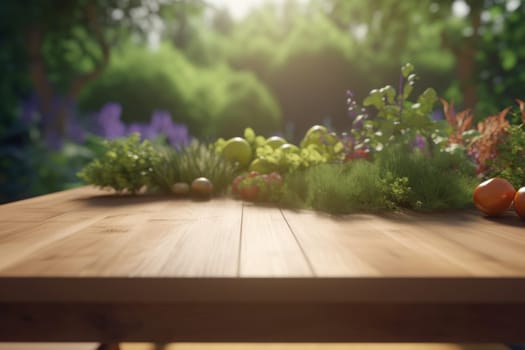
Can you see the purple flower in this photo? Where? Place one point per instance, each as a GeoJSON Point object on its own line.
{"type": "Point", "coordinates": [75, 131]}
{"type": "Point", "coordinates": [30, 112]}
{"type": "Point", "coordinates": [178, 135]}
{"type": "Point", "coordinates": [161, 120]}
{"type": "Point", "coordinates": [419, 142]}
{"type": "Point", "coordinates": [437, 115]}
{"type": "Point", "coordinates": [109, 121]}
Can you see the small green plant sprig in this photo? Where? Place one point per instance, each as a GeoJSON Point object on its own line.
{"type": "Point", "coordinates": [126, 165]}
{"type": "Point", "coordinates": [397, 120]}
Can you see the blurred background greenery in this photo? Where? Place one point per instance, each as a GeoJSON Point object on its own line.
{"type": "Point", "coordinates": [75, 71]}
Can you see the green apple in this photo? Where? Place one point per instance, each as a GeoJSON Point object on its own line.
{"type": "Point", "coordinates": [275, 142]}
{"type": "Point", "coordinates": [238, 150]}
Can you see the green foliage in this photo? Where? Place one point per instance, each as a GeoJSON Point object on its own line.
{"type": "Point", "coordinates": [397, 120]}
{"type": "Point", "coordinates": [214, 101]}
{"type": "Point", "coordinates": [193, 161]}
{"type": "Point", "coordinates": [232, 100]}
{"type": "Point", "coordinates": [29, 168]}
{"type": "Point", "coordinates": [500, 58]}
{"type": "Point", "coordinates": [126, 165]}
{"type": "Point", "coordinates": [309, 54]}
{"type": "Point", "coordinates": [510, 161]}
{"type": "Point", "coordinates": [394, 180]}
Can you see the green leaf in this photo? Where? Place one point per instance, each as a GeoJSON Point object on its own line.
{"type": "Point", "coordinates": [390, 93]}
{"type": "Point", "coordinates": [374, 98]}
{"type": "Point", "coordinates": [407, 90]}
{"type": "Point", "coordinates": [407, 69]}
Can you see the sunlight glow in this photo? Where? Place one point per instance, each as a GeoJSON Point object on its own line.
{"type": "Point", "coordinates": [239, 8]}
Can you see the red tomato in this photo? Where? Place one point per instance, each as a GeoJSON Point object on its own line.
{"type": "Point", "coordinates": [235, 184]}
{"type": "Point", "coordinates": [519, 202]}
{"type": "Point", "coordinates": [494, 196]}
{"type": "Point", "coordinates": [249, 192]}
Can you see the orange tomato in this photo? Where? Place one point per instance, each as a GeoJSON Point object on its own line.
{"type": "Point", "coordinates": [519, 202]}
{"type": "Point", "coordinates": [494, 196]}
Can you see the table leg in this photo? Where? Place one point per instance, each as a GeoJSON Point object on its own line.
{"type": "Point", "coordinates": [112, 346]}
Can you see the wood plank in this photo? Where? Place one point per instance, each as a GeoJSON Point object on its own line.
{"type": "Point", "coordinates": [201, 240]}
{"type": "Point", "coordinates": [208, 244]}
{"type": "Point", "coordinates": [72, 254]}
{"type": "Point", "coordinates": [21, 245]}
{"type": "Point", "coordinates": [268, 247]}
{"type": "Point", "coordinates": [468, 241]}
{"type": "Point", "coordinates": [357, 245]}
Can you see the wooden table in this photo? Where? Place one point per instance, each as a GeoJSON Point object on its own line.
{"type": "Point", "coordinates": [84, 265]}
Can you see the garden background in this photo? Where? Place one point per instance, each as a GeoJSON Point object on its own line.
{"type": "Point", "coordinates": [78, 70]}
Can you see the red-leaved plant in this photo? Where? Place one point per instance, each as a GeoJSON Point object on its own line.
{"type": "Point", "coordinates": [482, 145]}
{"type": "Point", "coordinates": [521, 104]}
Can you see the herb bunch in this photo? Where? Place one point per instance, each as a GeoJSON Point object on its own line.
{"type": "Point", "coordinates": [126, 165]}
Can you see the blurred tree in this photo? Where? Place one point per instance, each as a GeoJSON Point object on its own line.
{"type": "Point", "coordinates": [67, 43]}
{"type": "Point", "coordinates": [501, 57]}
{"type": "Point", "coordinates": [460, 35]}
{"type": "Point", "coordinates": [310, 54]}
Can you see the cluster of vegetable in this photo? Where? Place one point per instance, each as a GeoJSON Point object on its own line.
{"type": "Point", "coordinates": [395, 156]}
{"type": "Point", "coordinates": [265, 155]}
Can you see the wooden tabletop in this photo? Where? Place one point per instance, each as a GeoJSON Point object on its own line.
{"type": "Point", "coordinates": [87, 265]}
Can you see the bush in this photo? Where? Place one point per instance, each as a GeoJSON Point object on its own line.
{"type": "Point", "coordinates": [208, 100]}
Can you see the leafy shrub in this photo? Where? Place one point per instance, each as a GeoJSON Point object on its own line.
{"type": "Point", "coordinates": [208, 100]}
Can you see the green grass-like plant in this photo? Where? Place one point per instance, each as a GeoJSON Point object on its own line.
{"type": "Point", "coordinates": [393, 180]}
{"type": "Point", "coordinates": [195, 160]}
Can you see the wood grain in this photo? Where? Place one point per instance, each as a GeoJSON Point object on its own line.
{"type": "Point", "coordinates": [268, 247]}
{"type": "Point", "coordinates": [416, 245]}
